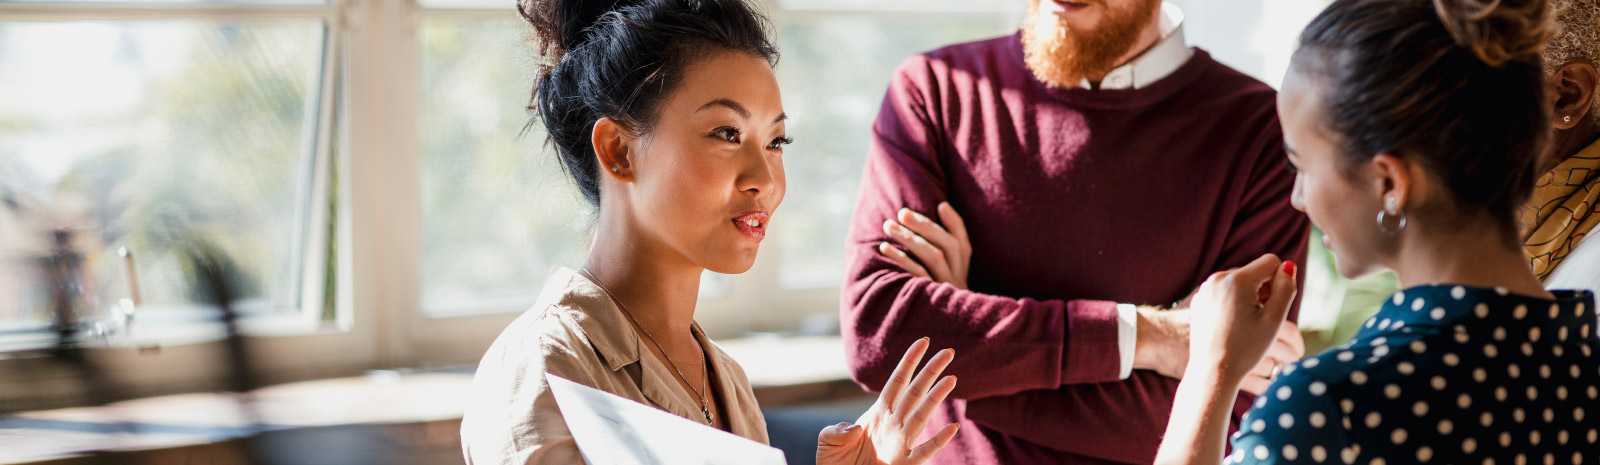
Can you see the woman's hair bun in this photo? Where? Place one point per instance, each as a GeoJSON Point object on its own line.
{"type": "Point", "coordinates": [561, 25]}
{"type": "Point", "coordinates": [1498, 31]}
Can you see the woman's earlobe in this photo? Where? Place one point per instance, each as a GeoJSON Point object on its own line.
{"type": "Point", "coordinates": [1573, 87]}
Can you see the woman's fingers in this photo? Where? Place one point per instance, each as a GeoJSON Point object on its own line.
{"type": "Point", "coordinates": [1255, 384]}
{"type": "Point", "coordinates": [925, 451]}
{"type": "Point", "coordinates": [1255, 274]}
{"type": "Point", "coordinates": [902, 373]}
{"type": "Point", "coordinates": [923, 381]}
{"type": "Point", "coordinates": [1283, 291]}
{"type": "Point", "coordinates": [905, 261]}
{"type": "Point", "coordinates": [1289, 333]}
{"type": "Point", "coordinates": [919, 415]}
{"type": "Point", "coordinates": [840, 434]}
{"type": "Point", "coordinates": [931, 256]}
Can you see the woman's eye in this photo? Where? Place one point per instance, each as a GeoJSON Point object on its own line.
{"type": "Point", "coordinates": [780, 142]}
{"type": "Point", "coordinates": [727, 133]}
{"type": "Point", "coordinates": [1290, 166]}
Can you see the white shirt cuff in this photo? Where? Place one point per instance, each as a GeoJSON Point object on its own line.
{"type": "Point", "coordinates": [1127, 338]}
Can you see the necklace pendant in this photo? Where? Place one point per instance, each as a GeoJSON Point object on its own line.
{"type": "Point", "coordinates": [707, 413]}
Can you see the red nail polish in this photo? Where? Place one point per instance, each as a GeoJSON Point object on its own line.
{"type": "Point", "coordinates": [1288, 267]}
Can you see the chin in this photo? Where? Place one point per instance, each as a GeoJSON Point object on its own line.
{"type": "Point", "coordinates": [736, 263]}
{"type": "Point", "coordinates": [1349, 269]}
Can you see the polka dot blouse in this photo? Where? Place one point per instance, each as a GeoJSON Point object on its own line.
{"type": "Point", "coordinates": [1442, 374]}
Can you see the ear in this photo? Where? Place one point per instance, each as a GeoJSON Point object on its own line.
{"type": "Point", "coordinates": [1394, 180]}
{"type": "Point", "coordinates": [1572, 89]}
{"type": "Point", "coordinates": [611, 149]}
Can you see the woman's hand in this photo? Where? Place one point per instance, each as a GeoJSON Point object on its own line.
{"type": "Point", "coordinates": [942, 253]}
{"type": "Point", "coordinates": [885, 433]}
{"type": "Point", "coordinates": [1238, 315]}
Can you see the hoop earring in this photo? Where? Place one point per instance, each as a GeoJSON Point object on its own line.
{"type": "Point", "coordinates": [1383, 223]}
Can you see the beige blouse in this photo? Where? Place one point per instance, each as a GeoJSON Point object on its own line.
{"type": "Point", "coordinates": [577, 332]}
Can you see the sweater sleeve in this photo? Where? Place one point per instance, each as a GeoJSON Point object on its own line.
{"type": "Point", "coordinates": [1004, 345]}
{"type": "Point", "coordinates": [1266, 222]}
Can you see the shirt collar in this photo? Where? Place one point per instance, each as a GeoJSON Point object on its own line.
{"type": "Point", "coordinates": [602, 321]}
{"type": "Point", "coordinates": [1160, 61]}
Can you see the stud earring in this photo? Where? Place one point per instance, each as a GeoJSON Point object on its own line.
{"type": "Point", "coordinates": [613, 169]}
{"type": "Point", "coordinates": [1566, 119]}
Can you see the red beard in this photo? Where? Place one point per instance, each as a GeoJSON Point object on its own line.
{"type": "Point", "coordinates": [1061, 57]}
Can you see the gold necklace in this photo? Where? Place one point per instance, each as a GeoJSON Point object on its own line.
{"type": "Point", "coordinates": [705, 405]}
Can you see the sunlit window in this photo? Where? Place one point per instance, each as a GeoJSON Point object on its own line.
{"type": "Point", "coordinates": [143, 134]}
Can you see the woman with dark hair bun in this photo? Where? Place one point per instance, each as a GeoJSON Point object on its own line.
{"type": "Point", "coordinates": [667, 116]}
{"type": "Point", "coordinates": [1416, 128]}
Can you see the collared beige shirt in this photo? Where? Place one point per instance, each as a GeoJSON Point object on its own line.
{"type": "Point", "coordinates": [577, 332]}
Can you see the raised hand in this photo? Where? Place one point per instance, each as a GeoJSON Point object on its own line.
{"type": "Point", "coordinates": [1238, 316]}
{"type": "Point", "coordinates": [885, 433]}
{"type": "Point", "coordinates": [940, 253]}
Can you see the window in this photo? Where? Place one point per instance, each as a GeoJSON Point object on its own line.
{"type": "Point", "coordinates": [498, 212]}
{"type": "Point", "coordinates": [139, 135]}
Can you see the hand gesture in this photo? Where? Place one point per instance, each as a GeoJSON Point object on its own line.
{"type": "Point", "coordinates": [884, 434]}
{"type": "Point", "coordinates": [1238, 315]}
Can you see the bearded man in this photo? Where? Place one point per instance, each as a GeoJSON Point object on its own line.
{"type": "Point", "coordinates": [1104, 169]}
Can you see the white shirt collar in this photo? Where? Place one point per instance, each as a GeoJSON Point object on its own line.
{"type": "Point", "coordinates": [1160, 61]}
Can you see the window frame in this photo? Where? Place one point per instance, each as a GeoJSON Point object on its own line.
{"type": "Point", "coordinates": [364, 131]}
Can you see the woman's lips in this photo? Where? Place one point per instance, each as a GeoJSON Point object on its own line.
{"type": "Point", "coordinates": [753, 224]}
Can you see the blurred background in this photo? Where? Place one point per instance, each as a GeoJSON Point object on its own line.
{"type": "Point", "coordinates": [368, 171]}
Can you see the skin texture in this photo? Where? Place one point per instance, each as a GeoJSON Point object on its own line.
{"type": "Point", "coordinates": [1440, 244]}
{"type": "Point", "coordinates": [676, 201]}
{"type": "Point", "coordinates": [1572, 92]}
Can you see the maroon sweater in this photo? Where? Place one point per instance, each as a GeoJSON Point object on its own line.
{"type": "Point", "coordinates": [1075, 200]}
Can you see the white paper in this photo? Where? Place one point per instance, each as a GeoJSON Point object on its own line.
{"type": "Point", "coordinates": [611, 430]}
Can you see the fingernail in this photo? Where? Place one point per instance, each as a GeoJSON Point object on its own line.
{"type": "Point", "coordinates": [852, 427]}
{"type": "Point", "coordinates": [843, 424]}
{"type": "Point", "coordinates": [1288, 267]}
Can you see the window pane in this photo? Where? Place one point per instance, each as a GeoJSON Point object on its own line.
{"type": "Point", "coordinates": [833, 73]}
{"type": "Point", "coordinates": [484, 4]}
{"type": "Point", "coordinates": [135, 133]}
{"type": "Point", "coordinates": [497, 211]}
{"type": "Point", "coordinates": [177, 2]}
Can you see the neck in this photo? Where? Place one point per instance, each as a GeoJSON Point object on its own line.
{"type": "Point", "coordinates": [1568, 142]}
{"type": "Point", "coordinates": [657, 286]}
{"type": "Point", "coordinates": [1148, 38]}
{"type": "Point", "coordinates": [1476, 255]}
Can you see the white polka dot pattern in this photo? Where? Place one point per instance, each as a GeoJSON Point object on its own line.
{"type": "Point", "coordinates": [1442, 374]}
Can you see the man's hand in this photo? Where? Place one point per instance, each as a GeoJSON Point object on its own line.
{"type": "Point", "coordinates": [940, 253]}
